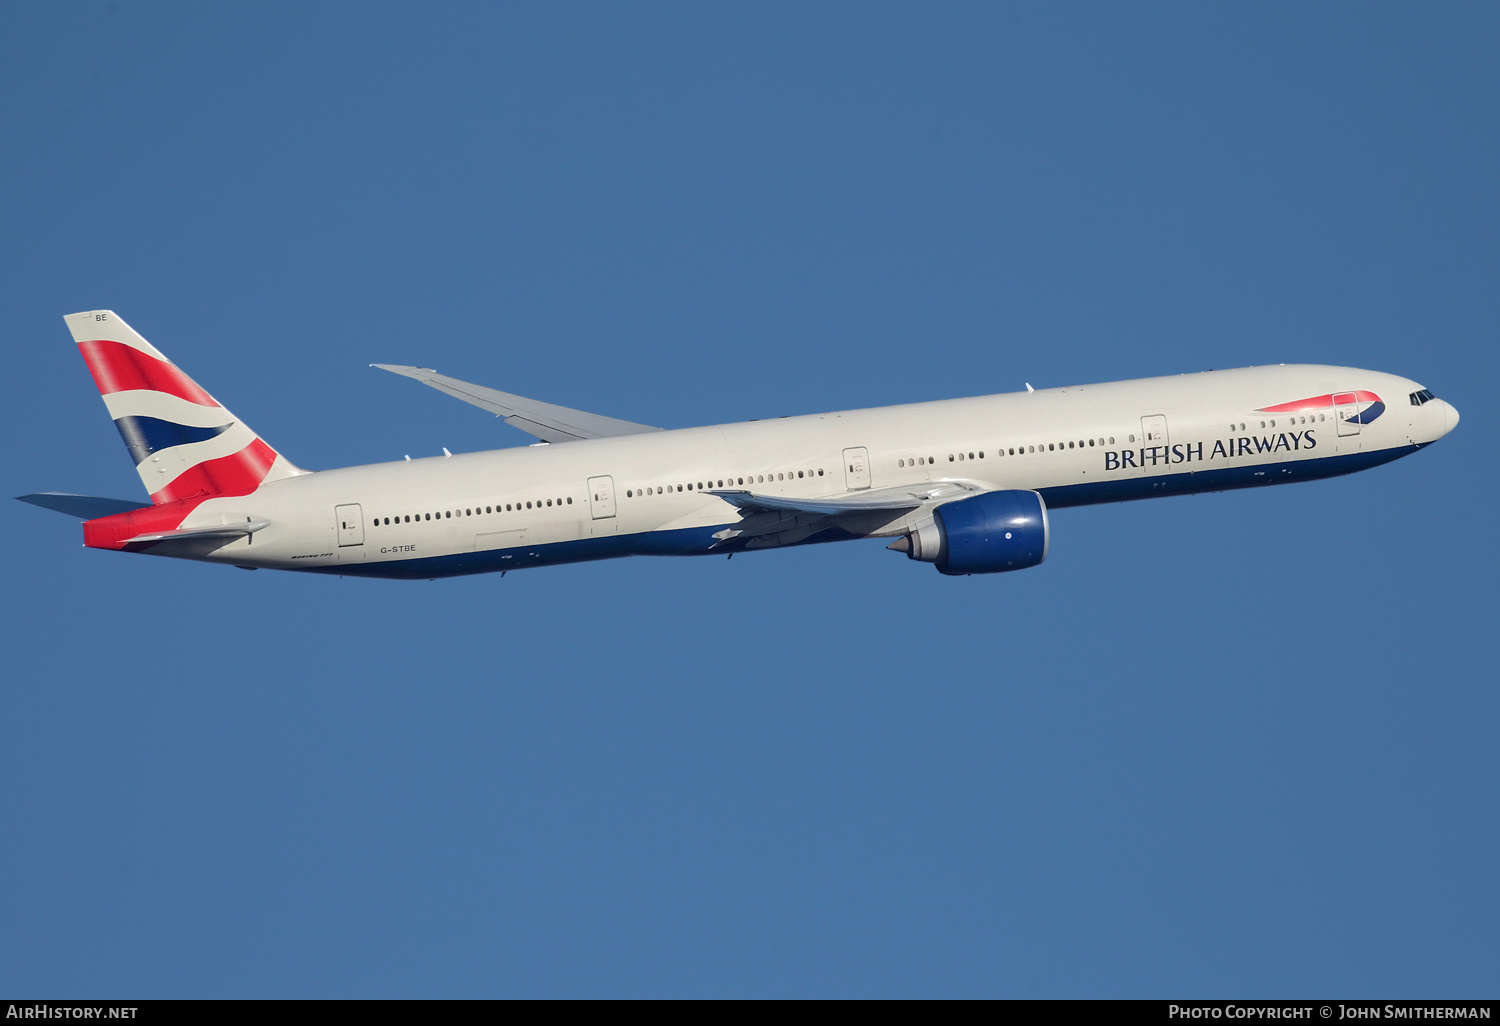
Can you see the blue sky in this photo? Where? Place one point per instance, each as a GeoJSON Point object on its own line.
{"type": "Point", "coordinates": [1229, 745]}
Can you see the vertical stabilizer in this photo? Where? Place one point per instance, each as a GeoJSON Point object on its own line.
{"type": "Point", "coordinates": [183, 442]}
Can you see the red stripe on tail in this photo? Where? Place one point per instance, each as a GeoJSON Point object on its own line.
{"type": "Point", "coordinates": [113, 532]}
{"type": "Point", "coordinates": [236, 474]}
{"type": "Point", "coordinates": [117, 367]}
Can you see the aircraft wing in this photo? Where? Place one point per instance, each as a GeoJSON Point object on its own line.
{"type": "Point", "coordinates": [544, 420]}
{"type": "Point", "coordinates": [771, 520]}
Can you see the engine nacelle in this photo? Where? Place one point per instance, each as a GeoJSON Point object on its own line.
{"type": "Point", "coordinates": [988, 534]}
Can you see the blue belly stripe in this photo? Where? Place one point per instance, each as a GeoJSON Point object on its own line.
{"type": "Point", "coordinates": [1221, 479]}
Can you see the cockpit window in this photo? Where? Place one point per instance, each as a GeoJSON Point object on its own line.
{"type": "Point", "coordinates": [1424, 396]}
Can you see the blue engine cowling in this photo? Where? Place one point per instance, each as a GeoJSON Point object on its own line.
{"type": "Point", "coordinates": [988, 534]}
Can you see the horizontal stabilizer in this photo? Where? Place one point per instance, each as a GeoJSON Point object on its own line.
{"type": "Point", "coordinates": [84, 507]}
{"type": "Point", "coordinates": [546, 421]}
{"type": "Point", "coordinates": [193, 533]}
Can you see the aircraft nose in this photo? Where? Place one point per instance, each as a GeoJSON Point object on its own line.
{"type": "Point", "coordinates": [1450, 417]}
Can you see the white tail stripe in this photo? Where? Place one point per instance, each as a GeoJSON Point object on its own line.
{"type": "Point", "coordinates": [165, 406]}
{"type": "Point", "coordinates": [94, 325]}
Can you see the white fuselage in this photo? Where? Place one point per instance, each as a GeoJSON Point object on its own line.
{"type": "Point", "coordinates": [650, 493]}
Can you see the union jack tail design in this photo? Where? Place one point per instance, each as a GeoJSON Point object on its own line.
{"type": "Point", "coordinates": [185, 445]}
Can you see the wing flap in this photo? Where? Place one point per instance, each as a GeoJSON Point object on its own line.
{"type": "Point", "coordinates": [547, 421]}
{"type": "Point", "coordinates": [895, 500]}
{"type": "Point", "coordinates": [770, 520]}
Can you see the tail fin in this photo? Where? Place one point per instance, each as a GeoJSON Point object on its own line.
{"type": "Point", "coordinates": [183, 442]}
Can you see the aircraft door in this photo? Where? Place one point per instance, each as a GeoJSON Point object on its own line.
{"type": "Point", "coordinates": [351, 524]}
{"type": "Point", "coordinates": [602, 497]}
{"type": "Point", "coordinates": [1154, 430]}
{"type": "Point", "coordinates": [1345, 409]}
{"type": "Point", "coordinates": [856, 468]}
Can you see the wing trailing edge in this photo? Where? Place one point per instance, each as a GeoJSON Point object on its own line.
{"type": "Point", "coordinates": [547, 421]}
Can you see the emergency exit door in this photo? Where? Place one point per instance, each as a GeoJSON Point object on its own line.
{"type": "Point", "coordinates": [602, 497]}
{"type": "Point", "coordinates": [1154, 430]}
{"type": "Point", "coordinates": [856, 468]}
{"type": "Point", "coordinates": [351, 524]}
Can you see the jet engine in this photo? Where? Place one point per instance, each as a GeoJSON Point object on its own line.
{"type": "Point", "coordinates": [986, 534]}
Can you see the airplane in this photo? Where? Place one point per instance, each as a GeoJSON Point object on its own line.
{"type": "Point", "coordinates": [963, 484]}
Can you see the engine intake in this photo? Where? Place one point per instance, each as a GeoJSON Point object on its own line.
{"type": "Point", "coordinates": [987, 534]}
